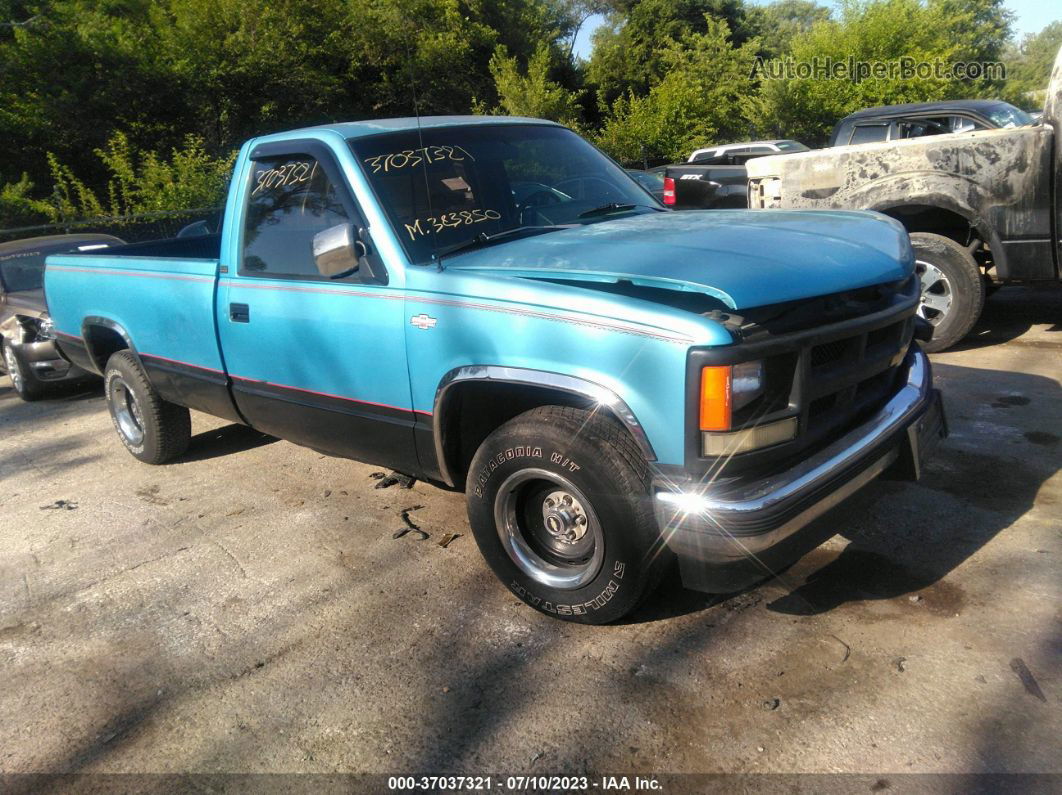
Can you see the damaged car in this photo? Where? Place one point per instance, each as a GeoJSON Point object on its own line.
{"type": "Point", "coordinates": [30, 357]}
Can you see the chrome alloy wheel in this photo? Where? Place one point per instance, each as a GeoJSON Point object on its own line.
{"type": "Point", "coordinates": [549, 529]}
{"type": "Point", "coordinates": [12, 368]}
{"type": "Point", "coordinates": [936, 292]}
{"type": "Point", "coordinates": [126, 412]}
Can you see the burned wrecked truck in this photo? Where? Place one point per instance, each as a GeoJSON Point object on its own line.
{"type": "Point", "coordinates": [982, 208]}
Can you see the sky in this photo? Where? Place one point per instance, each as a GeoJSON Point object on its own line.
{"type": "Point", "coordinates": [1032, 16]}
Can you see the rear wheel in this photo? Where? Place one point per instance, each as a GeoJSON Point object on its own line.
{"type": "Point", "coordinates": [953, 291]}
{"type": "Point", "coordinates": [152, 429]}
{"type": "Point", "coordinates": [558, 500]}
{"type": "Point", "coordinates": [25, 382]}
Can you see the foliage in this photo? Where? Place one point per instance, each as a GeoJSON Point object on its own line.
{"type": "Point", "coordinates": [92, 90]}
{"type": "Point", "coordinates": [776, 24]}
{"type": "Point", "coordinates": [532, 94]}
{"type": "Point", "coordinates": [1030, 66]}
{"type": "Point", "coordinates": [18, 207]}
{"type": "Point", "coordinates": [142, 182]}
{"type": "Point", "coordinates": [870, 31]}
{"type": "Point", "coordinates": [704, 96]}
{"type": "Point", "coordinates": [630, 51]}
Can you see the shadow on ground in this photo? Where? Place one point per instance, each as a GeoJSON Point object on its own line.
{"type": "Point", "coordinates": [1011, 311]}
{"type": "Point", "coordinates": [224, 441]}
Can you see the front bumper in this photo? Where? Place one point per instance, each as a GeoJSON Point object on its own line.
{"type": "Point", "coordinates": [47, 363]}
{"type": "Point", "coordinates": [729, 536]}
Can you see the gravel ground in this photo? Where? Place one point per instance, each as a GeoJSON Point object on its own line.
{"type": "Point", "coordinates": [248, 610]}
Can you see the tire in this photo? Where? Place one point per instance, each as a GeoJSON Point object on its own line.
{"type": "Point", "coordinates": [153, 430]}
{"type": "Point", "coordinates": [24, 381]}
{"type": "Point", "coordinates": [953, 291]}
{"type": "Point", "coordinates": [545, 469]}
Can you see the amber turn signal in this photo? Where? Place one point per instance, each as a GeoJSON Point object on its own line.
{"type": "Point", "coordinates": [716, 398]}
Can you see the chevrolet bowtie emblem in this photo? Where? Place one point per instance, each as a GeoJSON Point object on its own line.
{"type": "Point", "coordinates": [423, 321]}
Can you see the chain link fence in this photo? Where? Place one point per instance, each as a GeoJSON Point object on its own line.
{"type": "Point", "coordinates": [130, 228]}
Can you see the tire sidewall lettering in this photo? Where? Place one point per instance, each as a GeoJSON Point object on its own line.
{"type": "Point", "coordinates": [509, 454]}
{"type": "Point", "coordinates": [580, 609]}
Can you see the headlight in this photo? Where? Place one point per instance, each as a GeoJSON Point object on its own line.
{"type": "Point", "coordinates": [727, 389]}
{"type": "Point", "coordinates": [746, 381]}
{"type": "Point", "coordinates": [46, 328]}
{"type": "Point", "coordinates": [731, 388]}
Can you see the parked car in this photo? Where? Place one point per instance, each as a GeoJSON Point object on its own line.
{"type": "Point", "coordinates": [915, 120]}
{"type": "Point", "coordinates": [651, 181]}
{"type": "Point", "coordinates": [716, 177]}
{"type": "Point", "coordinates": [30, 357]}
{"type": "Point", "coordinates": [611, 384]}
{"type": "Point", "coordinates": [982, 207]}
{"type": "Point", "coordinates": [740, 154]}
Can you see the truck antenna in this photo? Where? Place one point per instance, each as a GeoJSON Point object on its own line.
{"type": "Point", "coordinates": [423, 159]}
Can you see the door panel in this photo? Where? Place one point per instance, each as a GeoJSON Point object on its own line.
{"type": "Point", "coordinates": [317, 361]}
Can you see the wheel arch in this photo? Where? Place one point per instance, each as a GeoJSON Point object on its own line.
{"type": "Point", "coordinates": [942, 216]}
{"type": "Point", "coordinates": [472, 401]}
{"type": "Point", "coordinates": [103, 338]}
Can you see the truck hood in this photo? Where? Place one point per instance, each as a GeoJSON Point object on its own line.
{"type": "Point", "coordinates": [740, 257]}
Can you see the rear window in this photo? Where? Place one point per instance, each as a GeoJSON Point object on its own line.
{"type": "Point", "coordinates": [23, 271]}
{"type": "Point", "coordinates": [869, 133]}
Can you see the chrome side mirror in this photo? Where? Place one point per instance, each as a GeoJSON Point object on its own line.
{"type": "Point", "coordinates": [337, 251]}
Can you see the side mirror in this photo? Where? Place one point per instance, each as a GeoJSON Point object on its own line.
{"type": "Point", "coordinates": [337, 251]}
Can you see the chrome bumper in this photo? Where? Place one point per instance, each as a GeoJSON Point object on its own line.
{"type": "Point", "coordinates": [731, 536]}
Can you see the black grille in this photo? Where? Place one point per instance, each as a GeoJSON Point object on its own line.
{"type": "Point", "coordinates": [830, 363]}
{"type": "Point", "coordinates": [830, 352]}
{"type": "Point", "coordinates": [849, 377]}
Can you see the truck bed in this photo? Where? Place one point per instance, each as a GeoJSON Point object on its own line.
{"type": "Point", "coordinates": [164, 290]}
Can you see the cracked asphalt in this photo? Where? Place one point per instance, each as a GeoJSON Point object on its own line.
{"type": "Point", "coordinates": [248, 609]}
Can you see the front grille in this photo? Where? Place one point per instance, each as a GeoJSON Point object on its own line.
{"type": "Point", "coordinates": [847, 378]}
{"type": "Point", "coordinates": [831, 352]}
{"type": "Point", "coordinates": [830, 362]}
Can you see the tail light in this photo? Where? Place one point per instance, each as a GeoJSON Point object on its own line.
{"type": "Point", "coordinates": [669, 191]}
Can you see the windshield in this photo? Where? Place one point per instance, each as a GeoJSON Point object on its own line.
{"type": "Point", "coordinates": [791, 146]}
{"type": "Point", "coordinates": [22, 271]}
{"type": "Point", "coordinates": [1004, 115]}
{"type": "Point", "coordinates": [463, 182]}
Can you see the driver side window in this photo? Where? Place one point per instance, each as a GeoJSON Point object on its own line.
{"type": "Point", "coordinates": [290, 199]}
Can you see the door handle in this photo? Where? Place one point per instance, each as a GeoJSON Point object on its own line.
{"type": "Point", "coordinates": [239, 313]}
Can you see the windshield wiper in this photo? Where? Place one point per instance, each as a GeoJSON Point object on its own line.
{"type": "Point", "coordinates": [615, 207]}
{"type": "Point", "coordinates": [484, 239]}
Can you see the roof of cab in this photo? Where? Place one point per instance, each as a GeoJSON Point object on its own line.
{"type": "Point", "coordinates": [360, 129]}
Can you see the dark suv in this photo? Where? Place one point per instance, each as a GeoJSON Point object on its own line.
{"type": "Point", "coordinates": [895, 122]}
{"type": "Point", "coordinates": [30, 357]}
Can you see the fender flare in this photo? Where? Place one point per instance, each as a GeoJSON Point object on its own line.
{"type": "Point", "coordinates": [103, 322]}
{"type": "Point", "coordinates": [595, 393]}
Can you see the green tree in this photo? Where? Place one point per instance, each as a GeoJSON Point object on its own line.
{"type": "Point", "coordinates": [705, 96]}
{"type": "Point", "coordinates": [629, 51]}
{"type": "Point", "coordinates": [1029, 66]}
{"type": "Point", "coordinates": [19, 208]}
{"type": "Point", "coordinates": [871, 31]}
{"type": "Point", "coordinates": [142, 182]}
{"type": "Point", "coordinates": [777, 23]}
{"type": "Point", "coordinates": [532, 93]}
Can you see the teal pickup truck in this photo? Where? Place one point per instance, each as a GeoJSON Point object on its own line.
{"type": "Point", "coordinates": [492, 305]}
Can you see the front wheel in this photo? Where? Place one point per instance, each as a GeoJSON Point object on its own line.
{"type": "Point", "coordinates": [558, 501]}
{"type": "Point", "coordinates": [152, 429]}
{"type": "Point", "coordinates": [953, 291]}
